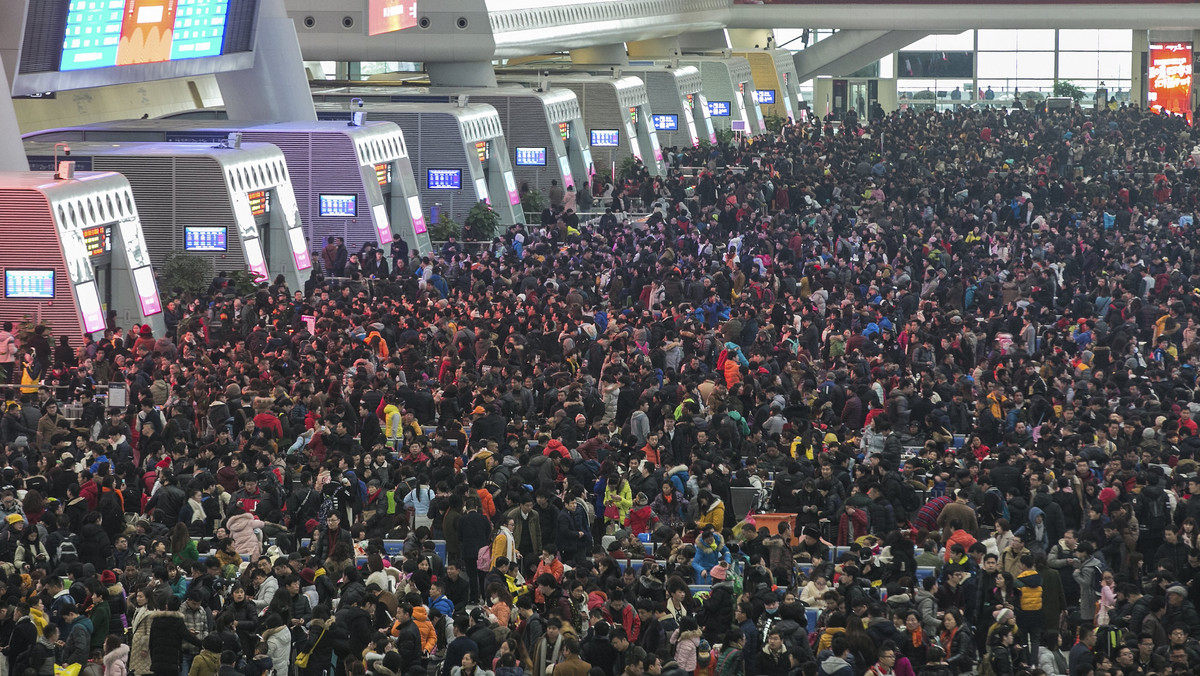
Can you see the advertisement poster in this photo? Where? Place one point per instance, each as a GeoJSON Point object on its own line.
{"type": "Point", "coordinates": [388, 16]}
{"type": "Point", "coordinates": [1170, 78]}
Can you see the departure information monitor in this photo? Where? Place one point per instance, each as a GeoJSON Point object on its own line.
{"type": "Point", "coordinates": [103, 33]}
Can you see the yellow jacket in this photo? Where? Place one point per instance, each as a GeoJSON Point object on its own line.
{"type": "Point", "coordinates": [715, 516]}
{"type": "Point", "coordinates": [621, 497]}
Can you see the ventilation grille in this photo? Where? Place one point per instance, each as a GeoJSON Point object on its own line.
{"type": "Point", "coordinates": [239, 26]}
{"type": "Point", "coordinates": [689, 80]}
{"type": "Point", "coordinates": [631, 92]}
{"type": "Point", "coordinates": [739, 70]}
{"type": "Point", "coordinates": [378, 144]}
{"type": "Point", "coordinates": [45, 26]}
{"type": "Point", "coordinates": [597, 12]}
{"type": "Point", "coordinates": [29, 238]}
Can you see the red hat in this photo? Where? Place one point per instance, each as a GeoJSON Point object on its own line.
{"type": "Point", "coordinates": [311, 525]}
{"type": "Point", "coordinates": [108, 577]}
{"type": "Point", "coordinates": [165, 463]}
{"type": "Point", "coordinates": [308, 575]}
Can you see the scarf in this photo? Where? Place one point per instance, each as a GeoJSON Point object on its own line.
{"type": "Point", "coordinates": [918, 637]}
{"type": "Point", "coordinates": [197, 510]}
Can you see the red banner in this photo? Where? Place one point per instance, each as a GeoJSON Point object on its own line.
{"type": "Point", "coordinates": [1170, 78]}
{"type": "Point", "coordinates": [388, 16]}
{"type": "Point", "coordinates": [961, 2]}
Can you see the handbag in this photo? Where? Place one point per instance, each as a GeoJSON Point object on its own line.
{"type": "Point", "coordinates": [612, 512]}
{"type": "Point", "coordinates": [302, 658]}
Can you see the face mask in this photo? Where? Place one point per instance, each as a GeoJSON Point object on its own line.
{"type": "Point", "coordinates": [772, 611]}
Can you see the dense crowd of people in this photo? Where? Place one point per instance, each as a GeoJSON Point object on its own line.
{"type": "Point", "coordinates": [958, 349]}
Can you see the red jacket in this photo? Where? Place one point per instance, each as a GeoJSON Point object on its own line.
{"type": "Point", "coordinates": [91, 493]}
{"type": "Point", "coordinates": [268, 421]}
{"type": "Point", "coordinates": [638, 520]}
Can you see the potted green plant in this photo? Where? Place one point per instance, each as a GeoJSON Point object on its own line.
{"type": "Point", "coordinates": [186, 274]}
{"type": "Point", "coordinates": [482, 222]}
{"type": "Point", "coordinates": [445, 228]}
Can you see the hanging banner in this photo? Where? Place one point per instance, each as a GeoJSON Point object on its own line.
{"type": "Point", "coordinates": [1170, 78]}
{"type": "Point", "coordinates": [387, 16]}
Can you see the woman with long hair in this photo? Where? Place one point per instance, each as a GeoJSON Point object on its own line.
{"type": "Point", "coordinates": [182, 546]}
{"type": "Point", "coordinates": [498, 602]}
{"type": "Point", "coordinates": [504, 544]}
{"type": "Point", "coordinates": [470, 666]}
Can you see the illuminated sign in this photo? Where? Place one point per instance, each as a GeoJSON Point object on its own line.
{"type": "Point", "coordinates": [387, 16]}
{"type": "Point", "coordinates": [510, 184]}
{"type": "Point", "coordinates": [260, 203]}
{"type": "Point", "coordinates": [481, 189]}
{"type": "Point", "coordinates": [254, 257]}
{"type": "Point", "coordinates": [147, 290]}
{"type": "Point", "coordinates": [764, 97]}
{"type": "Point", "coordinates": [718, 108]}
{"type": "Point", "coordinates": [633, 114]}
{"type": "Point", "coordinates": [98, 240]}
{"type": "Point", "coordinates": [531, 157]}
{"type": "Point", "coordinates": [564, 130]}
{"type": "Point", "coordinates": [1170, 77]}
{"type": "Point", "coordinates": [102, 33]}
{"type": "Point", "coordinates": [444, 179]}
{"type": "Point", "coordinates": [89, 307]}
{"type": "Point", "coordinates": [29, 284]}
{"type": "Point", "coordinates": [605, 138]}
{"type": "Point", "coordinates": [691, 99]}
{"type": "Point", "coordinates": [418, 218]}
{"type": "Point", "coordinates": [665, 122]}
{"type": "Point", "coordinates": [299, 248]}
{"type": "Point", "coordinates": [338, 206]}
{"type": "Point", "coordinates": [483, 149]}
{"type": "Point", "coordinates": [742, 88]}
{"type": "Point", "coordinates": [383, 173]}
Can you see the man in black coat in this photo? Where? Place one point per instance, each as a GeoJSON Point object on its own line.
{"type": "Point", "coordinates": [408, 637]}
{"type": "Point", "coordinates": [24, 635]}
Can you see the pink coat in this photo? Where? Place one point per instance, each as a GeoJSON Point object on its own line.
{"type": "Point", "coordinates": [116, 662]}
{"type": "Point", "coordinates": [241, 529]}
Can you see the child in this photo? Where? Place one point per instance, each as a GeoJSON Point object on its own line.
{"type": "Point", "coordinates": [640, 516]}
{"type": "Point", "coordinates": [116, 656]}
{"type": "Point", "coordinates": [208, 662]}
{"type": "Point", "coordinates": [706, 660]}
{"type": "Point", "coordinates": [508, 666]}
{"type": "Point", "coordinates": [94, 667]}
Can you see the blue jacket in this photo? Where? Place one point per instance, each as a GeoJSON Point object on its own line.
{"type": "Point", "coordinates": [707, 557]}
{"type": "Point", "coordinates": [443, 605]}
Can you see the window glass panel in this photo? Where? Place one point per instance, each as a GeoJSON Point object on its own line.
{"type": "Point", "coordinates": [1081, 40]}
{"type": "Point", "coordinates": [1035, 65]}
{"type": "Point", "coordinates": [1078, 65]}
{"type": "Point", "coordinates": [964, 40]}
{"type": "Point", "coordinates": [1001, 65]}
{"type": "Point", "coordinates": [1035, 39]}
{"type": "Point", "coordinates": [997, 40]}
{"type": "Point", "coordinates": [1114, 66]}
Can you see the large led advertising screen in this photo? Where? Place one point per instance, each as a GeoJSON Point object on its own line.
{"type": "Point", "coordinates": [1170, 78]}
{"type": "Point", "coordinates": [388, 16]}
{"type": "Point", "coordinates": [102, 33]}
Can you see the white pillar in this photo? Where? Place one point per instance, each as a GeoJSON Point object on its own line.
{"type": "Point", "coordinates": [12, 149]}
{"type": "Point", "coordinates": [276, 88]}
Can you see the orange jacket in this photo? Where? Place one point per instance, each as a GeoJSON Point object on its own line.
{"type": "Point", "coordinates": [961, 537]}
{"type": "Point", "coordinates": [489, 505]}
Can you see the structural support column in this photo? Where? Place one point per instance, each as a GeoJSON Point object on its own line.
{"type": "Point", "coordinates": [467, 74]}
{"type": "Point", "coordinates": [276, 88]}
{"type": "Point", "coordinates": [848, 51]}
{"type": "Point", "coordinates": [12, 149]}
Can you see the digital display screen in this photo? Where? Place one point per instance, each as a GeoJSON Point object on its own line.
{"type": "Point", "coordinates": [605, 138]}
{"type": "Point", "coordinates": [564, 130]}
{"type": "Point", "coordinates": [388, 16]}
{"type": "Point", "coordinates": [338, 206]}
{"type": "Point", "coordinates": [445, 179]}
{"type": "Point", "coordinates": [98, 239]}
{"type": "Point", "coordinates": [484, 150]}
{"type": "Point", "coordinates": [383, 173]}
{"type": "Point", "coordinates": [633, 114]}
{"type": "Point", "coordinates": [764, 97]}
{"type": "Point", "coordinates": [665, 122]}
{"type": "Point", "coordinates": [260, 203]}
{"type": "Point", "coordinates": [147, 289]}
{"type": "Point", "coordinates": [531, 157]}
{"type": "Point", "coordinates": [418, 217]}
{"type": "Point", "coordinates": [214, 238]}
{"type": "Point", "coordinates": [103, 33]}
{"type": "Point", "coordinates": [1170, 77]}
{"type": "Point", "coordinates": [718, 109]}
{"type": "Point", "coordinates": [29, 284]}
